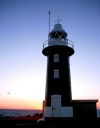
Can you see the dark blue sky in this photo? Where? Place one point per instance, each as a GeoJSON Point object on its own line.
{"type": "Point", "coordinates": [23, 30]}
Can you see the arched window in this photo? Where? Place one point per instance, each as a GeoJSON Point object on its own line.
{"type": "Point", "coordinates": [56, 57]}
{"type": "Point", "coordinates": [56, 73]}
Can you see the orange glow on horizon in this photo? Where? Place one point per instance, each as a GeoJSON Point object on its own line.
{"type": "Point", "coordinates": [20, 104]}
{"type": "Point", "coordinates": [20, 107]}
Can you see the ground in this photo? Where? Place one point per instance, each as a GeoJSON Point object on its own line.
{"type": "Point", "coordinates": [31, 122]}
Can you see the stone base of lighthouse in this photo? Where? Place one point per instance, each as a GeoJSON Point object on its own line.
{"type": "Point", "coordinates": [56, 110]}
{"type": "Point", "coordinates": [56, 113]}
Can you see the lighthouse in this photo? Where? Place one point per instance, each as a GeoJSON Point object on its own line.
{"type": "Point", "coordinates": [58, 97]}
{"type": "Point", "coordinates": [58, 105]}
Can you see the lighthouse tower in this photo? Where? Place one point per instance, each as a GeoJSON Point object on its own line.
{"type": "Point", "coordinates": [58, 97]}
{"type": "Point", "coordinates": [58, 106]}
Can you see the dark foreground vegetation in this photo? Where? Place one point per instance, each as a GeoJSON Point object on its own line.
{"type": "Point", "coordinates": [31, 122]}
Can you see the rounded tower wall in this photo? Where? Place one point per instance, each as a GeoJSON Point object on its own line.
{"type": "Point", "coordinates": [62, 84]}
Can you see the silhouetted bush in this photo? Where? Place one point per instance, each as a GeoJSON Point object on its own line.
{"type": "Point", "coordinates": [28, 115]}
{"type": "Point", "coordinates": [37, 114]}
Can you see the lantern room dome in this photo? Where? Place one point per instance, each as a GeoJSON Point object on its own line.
{"type": "Point", "coordinates": [58, 28]}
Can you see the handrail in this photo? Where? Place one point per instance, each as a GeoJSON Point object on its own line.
{"type": "Point", "coordinates": [67, 43]}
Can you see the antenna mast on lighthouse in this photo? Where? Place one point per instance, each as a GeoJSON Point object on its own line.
{"type": "Point", "coordinates": [49, 21]}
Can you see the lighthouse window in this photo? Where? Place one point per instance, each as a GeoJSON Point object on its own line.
{"type": "Point", "coordinates": [56, 58]}
{"type": "Point", "coordinates": [56, 73]}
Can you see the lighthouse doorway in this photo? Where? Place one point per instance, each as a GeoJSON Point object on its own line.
{"type": "Point", "coordinates": [56, 105]}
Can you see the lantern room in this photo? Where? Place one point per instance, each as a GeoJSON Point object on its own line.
{"type": "Point", "coordinates": [58, 33]}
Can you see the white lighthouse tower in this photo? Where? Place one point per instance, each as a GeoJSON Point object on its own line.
{"type": "Point", "coordinates": [58, 97]}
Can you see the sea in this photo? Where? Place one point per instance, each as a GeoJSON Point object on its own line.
{"type": "Point", "coordinates": [17, 112]}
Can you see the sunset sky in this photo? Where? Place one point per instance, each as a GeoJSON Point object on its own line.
{"type": "Point", "coordinates": [24, 27]}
